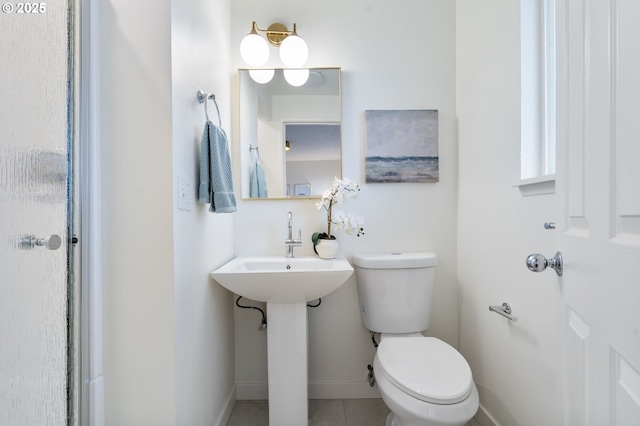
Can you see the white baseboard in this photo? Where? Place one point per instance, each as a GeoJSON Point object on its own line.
{"type": "Point", "coordinates": [225, 414]}
{"type": "Point", "coordinates": [484, 418]}
{"type": "Point", "coordinates": [251, 391]}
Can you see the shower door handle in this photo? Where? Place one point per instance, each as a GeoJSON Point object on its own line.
{"type": "Point", "coordinates": [50, 242]}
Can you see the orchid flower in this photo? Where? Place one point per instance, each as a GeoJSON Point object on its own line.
{"type": "Point", "coordinates": [341, 190]}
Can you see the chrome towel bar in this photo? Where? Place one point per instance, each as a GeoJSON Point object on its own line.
{"type": "Point", "coordinates": [504, 310]}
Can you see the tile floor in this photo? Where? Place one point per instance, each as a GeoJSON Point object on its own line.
{"type": "Point", "coordinates": [322, 412]}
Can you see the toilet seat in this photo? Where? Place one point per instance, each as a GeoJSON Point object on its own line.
{"type": "Point", "coordinates": [426, 368]}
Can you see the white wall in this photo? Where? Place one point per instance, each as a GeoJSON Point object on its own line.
{"type": "Point", "coordinates": [139, 360]}
{"type": "Point", "coordinates": [512, 363]}
{"type": "Point", "coordinates": [379, 72]}
{"type": "Point", "coordinates": [167, 328]}
{"type": "Point", "coordinates": [205, 383]}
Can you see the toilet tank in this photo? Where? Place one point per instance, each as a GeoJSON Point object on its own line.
{"type": "Point", "coordinates": [395, 290]}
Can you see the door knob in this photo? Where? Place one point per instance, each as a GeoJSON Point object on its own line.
{"type": "Point", "coordinates": [538, 263]}
{"type": "Point", "coordinates": [50, 242]}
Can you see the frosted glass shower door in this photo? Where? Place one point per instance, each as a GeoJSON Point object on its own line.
{"type": "Point", "coordinates": [35, 110]}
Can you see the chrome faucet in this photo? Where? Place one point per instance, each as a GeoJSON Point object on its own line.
{"type": "Point", "coordinates": [290, 242]}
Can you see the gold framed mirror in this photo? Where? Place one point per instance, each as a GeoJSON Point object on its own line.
{"type": "Point", "coordinates": [308, 117]}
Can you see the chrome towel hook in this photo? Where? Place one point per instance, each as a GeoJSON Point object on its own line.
{"type": "Point", "coordinates": [203, 98]}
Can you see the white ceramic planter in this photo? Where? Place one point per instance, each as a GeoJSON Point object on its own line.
{"type": "Point", "coordinates": [327, 249]}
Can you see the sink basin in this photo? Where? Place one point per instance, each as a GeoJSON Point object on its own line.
{"type": "Point", "coordinates": [278, 279]}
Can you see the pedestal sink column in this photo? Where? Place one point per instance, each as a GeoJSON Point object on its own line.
{"type": "Point", "coordinates": [287, 360]}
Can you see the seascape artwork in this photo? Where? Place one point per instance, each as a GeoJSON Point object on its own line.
{"type": "Point", "coordinates": [402, 146]}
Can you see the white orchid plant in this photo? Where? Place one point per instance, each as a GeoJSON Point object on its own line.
{"type": "Point", "coordinates": [340, 190]}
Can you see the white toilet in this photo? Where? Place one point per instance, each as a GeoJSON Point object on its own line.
{"type": "Point", "coordinates": [423, 380]}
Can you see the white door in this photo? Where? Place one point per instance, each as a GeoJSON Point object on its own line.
{"type": "Point", "coordinates": [599, 210]}
{"type": "Point", "coordinates": [36, 372]}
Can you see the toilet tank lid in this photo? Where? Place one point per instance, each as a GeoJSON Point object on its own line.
{"type": "Point", "coordinates": [395, 260]}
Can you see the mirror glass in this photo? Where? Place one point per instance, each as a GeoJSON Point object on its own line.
{"type": "Point", "coordinates": [297, 133]}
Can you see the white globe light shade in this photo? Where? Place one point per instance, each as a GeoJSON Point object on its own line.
{"type": "Point", "coordinates": [254, 50]}
{"type": "Point", "coordinates": [294, 51]}
{"type": "Point", "coordinates": [261, 76]}
{"type": "Point", "coordinates": [296, 78]}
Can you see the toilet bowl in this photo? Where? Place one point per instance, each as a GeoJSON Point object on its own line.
{"type": "Point", "coordinates": [424, 382]}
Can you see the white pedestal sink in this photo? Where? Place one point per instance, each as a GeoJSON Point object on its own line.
{"type": "Point", "coordinates": [286, 284]}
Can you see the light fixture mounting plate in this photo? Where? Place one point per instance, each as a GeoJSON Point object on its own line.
{"type": "Point", "coordinates": [276, 33]}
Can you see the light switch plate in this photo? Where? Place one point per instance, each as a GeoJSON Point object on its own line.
{"type": "Point", "coordinates": [185, 193]}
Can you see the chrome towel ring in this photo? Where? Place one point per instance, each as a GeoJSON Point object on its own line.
{"type": "Point", "coordinates": [203, 98]}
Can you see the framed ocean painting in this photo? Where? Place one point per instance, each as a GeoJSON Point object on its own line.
{"type": "Point", "coordinates": [401, 146]}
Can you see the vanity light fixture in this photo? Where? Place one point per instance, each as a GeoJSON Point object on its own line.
{"type": "Point", "coordinates": [293, 51]}
{"type": "Point", "coordinates": [254, 49]}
